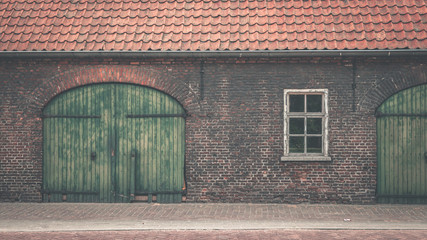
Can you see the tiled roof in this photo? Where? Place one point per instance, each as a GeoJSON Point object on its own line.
{"type": "Point", "coordinates": [219, 25]}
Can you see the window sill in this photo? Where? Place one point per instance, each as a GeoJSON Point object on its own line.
{"type": "Point", "coordinates": [305, 159]}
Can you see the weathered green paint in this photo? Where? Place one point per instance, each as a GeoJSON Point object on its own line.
{"type": "Point", "coordinates": [402, 147]}
{"type": "Point", "coordinates": [95, 152]}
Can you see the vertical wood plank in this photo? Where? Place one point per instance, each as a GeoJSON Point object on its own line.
{"type": "Point", "coordinates": [70, 149]}
{"type": "Point", "coordinates": [98, 143]}
{"type": "Point", "coordinates": [411, 143]}
{"type": "Point", "coordinates": [80, 168]}
{"type": "Point", "coordinates": [86, 155]}
{"type": "Point", "coordinates": [118, 106]}
{"type": "Point", "coordinates": [152, 147]}
{"type": "Point", "coordinates": [105, 152]}
{"type": "Point", "coordinates": [56, 151]}
{"type": "Point", "coordinates": [159, 146]}
{"type": "Point", "coordinates": [423, 168]}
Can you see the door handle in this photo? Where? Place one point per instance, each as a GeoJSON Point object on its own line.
{"type": "Point", "coordinates": [93, 156]}
{"type": "Point", "coordinates": [425, 156]}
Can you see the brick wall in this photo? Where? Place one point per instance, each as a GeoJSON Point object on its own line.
{"type": "Point", "coordinates": [234, 131]}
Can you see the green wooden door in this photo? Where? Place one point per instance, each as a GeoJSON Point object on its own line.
{"type": "Point", "coordinates": [113, 143]}
{"type": "Point", "coordinates": [402, 147]}
{"type": "Point", "coordinates": [151, 144]}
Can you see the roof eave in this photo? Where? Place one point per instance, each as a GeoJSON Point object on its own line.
{"type": "Point", "coordinates": [204, 54]}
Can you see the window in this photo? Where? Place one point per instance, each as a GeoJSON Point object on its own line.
{"type": "Point", "coordinates": [306, 125]}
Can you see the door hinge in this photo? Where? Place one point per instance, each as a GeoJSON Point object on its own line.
{"type": "Point", "coordinates": [71, 116]}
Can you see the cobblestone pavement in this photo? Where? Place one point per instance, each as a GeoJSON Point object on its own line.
{"type": "Point", "coordinates": [77, 217]}
{"type": "Point", "coordinates": [223, 234]}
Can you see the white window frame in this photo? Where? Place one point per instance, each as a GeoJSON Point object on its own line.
{"type": "Point", "coordinates": [325, 117]}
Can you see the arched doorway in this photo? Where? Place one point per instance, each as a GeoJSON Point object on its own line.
{"type": "Point", "coordinates": [113, 143]}
{"type": "Point", "coordinates": [402, 147]}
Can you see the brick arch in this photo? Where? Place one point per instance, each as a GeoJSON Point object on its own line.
{"type": "Point", "coordinates": [141, 75]}
{"type": "Point", "coordinates": [390, 84]}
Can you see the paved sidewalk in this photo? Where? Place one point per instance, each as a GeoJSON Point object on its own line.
{"type": "Point", "coordinates": [23, 217]}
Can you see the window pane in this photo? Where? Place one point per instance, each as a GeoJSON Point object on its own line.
{"type": "Point", "coordinates": [296, 125]}
{"type": "Point", "coordinates": [314, 103]}
{"type": "Point", "coordinates": [314, 125]}
{"type": "Point", "coordinates": [314, 144]}
{"type": "Point", "coordinates": [296, 103]}
{"type": "Point", "coordinates": [296, 144]}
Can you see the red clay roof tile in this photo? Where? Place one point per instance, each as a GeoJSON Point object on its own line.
{"type": "Point", "coordinates": [203, 25]}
